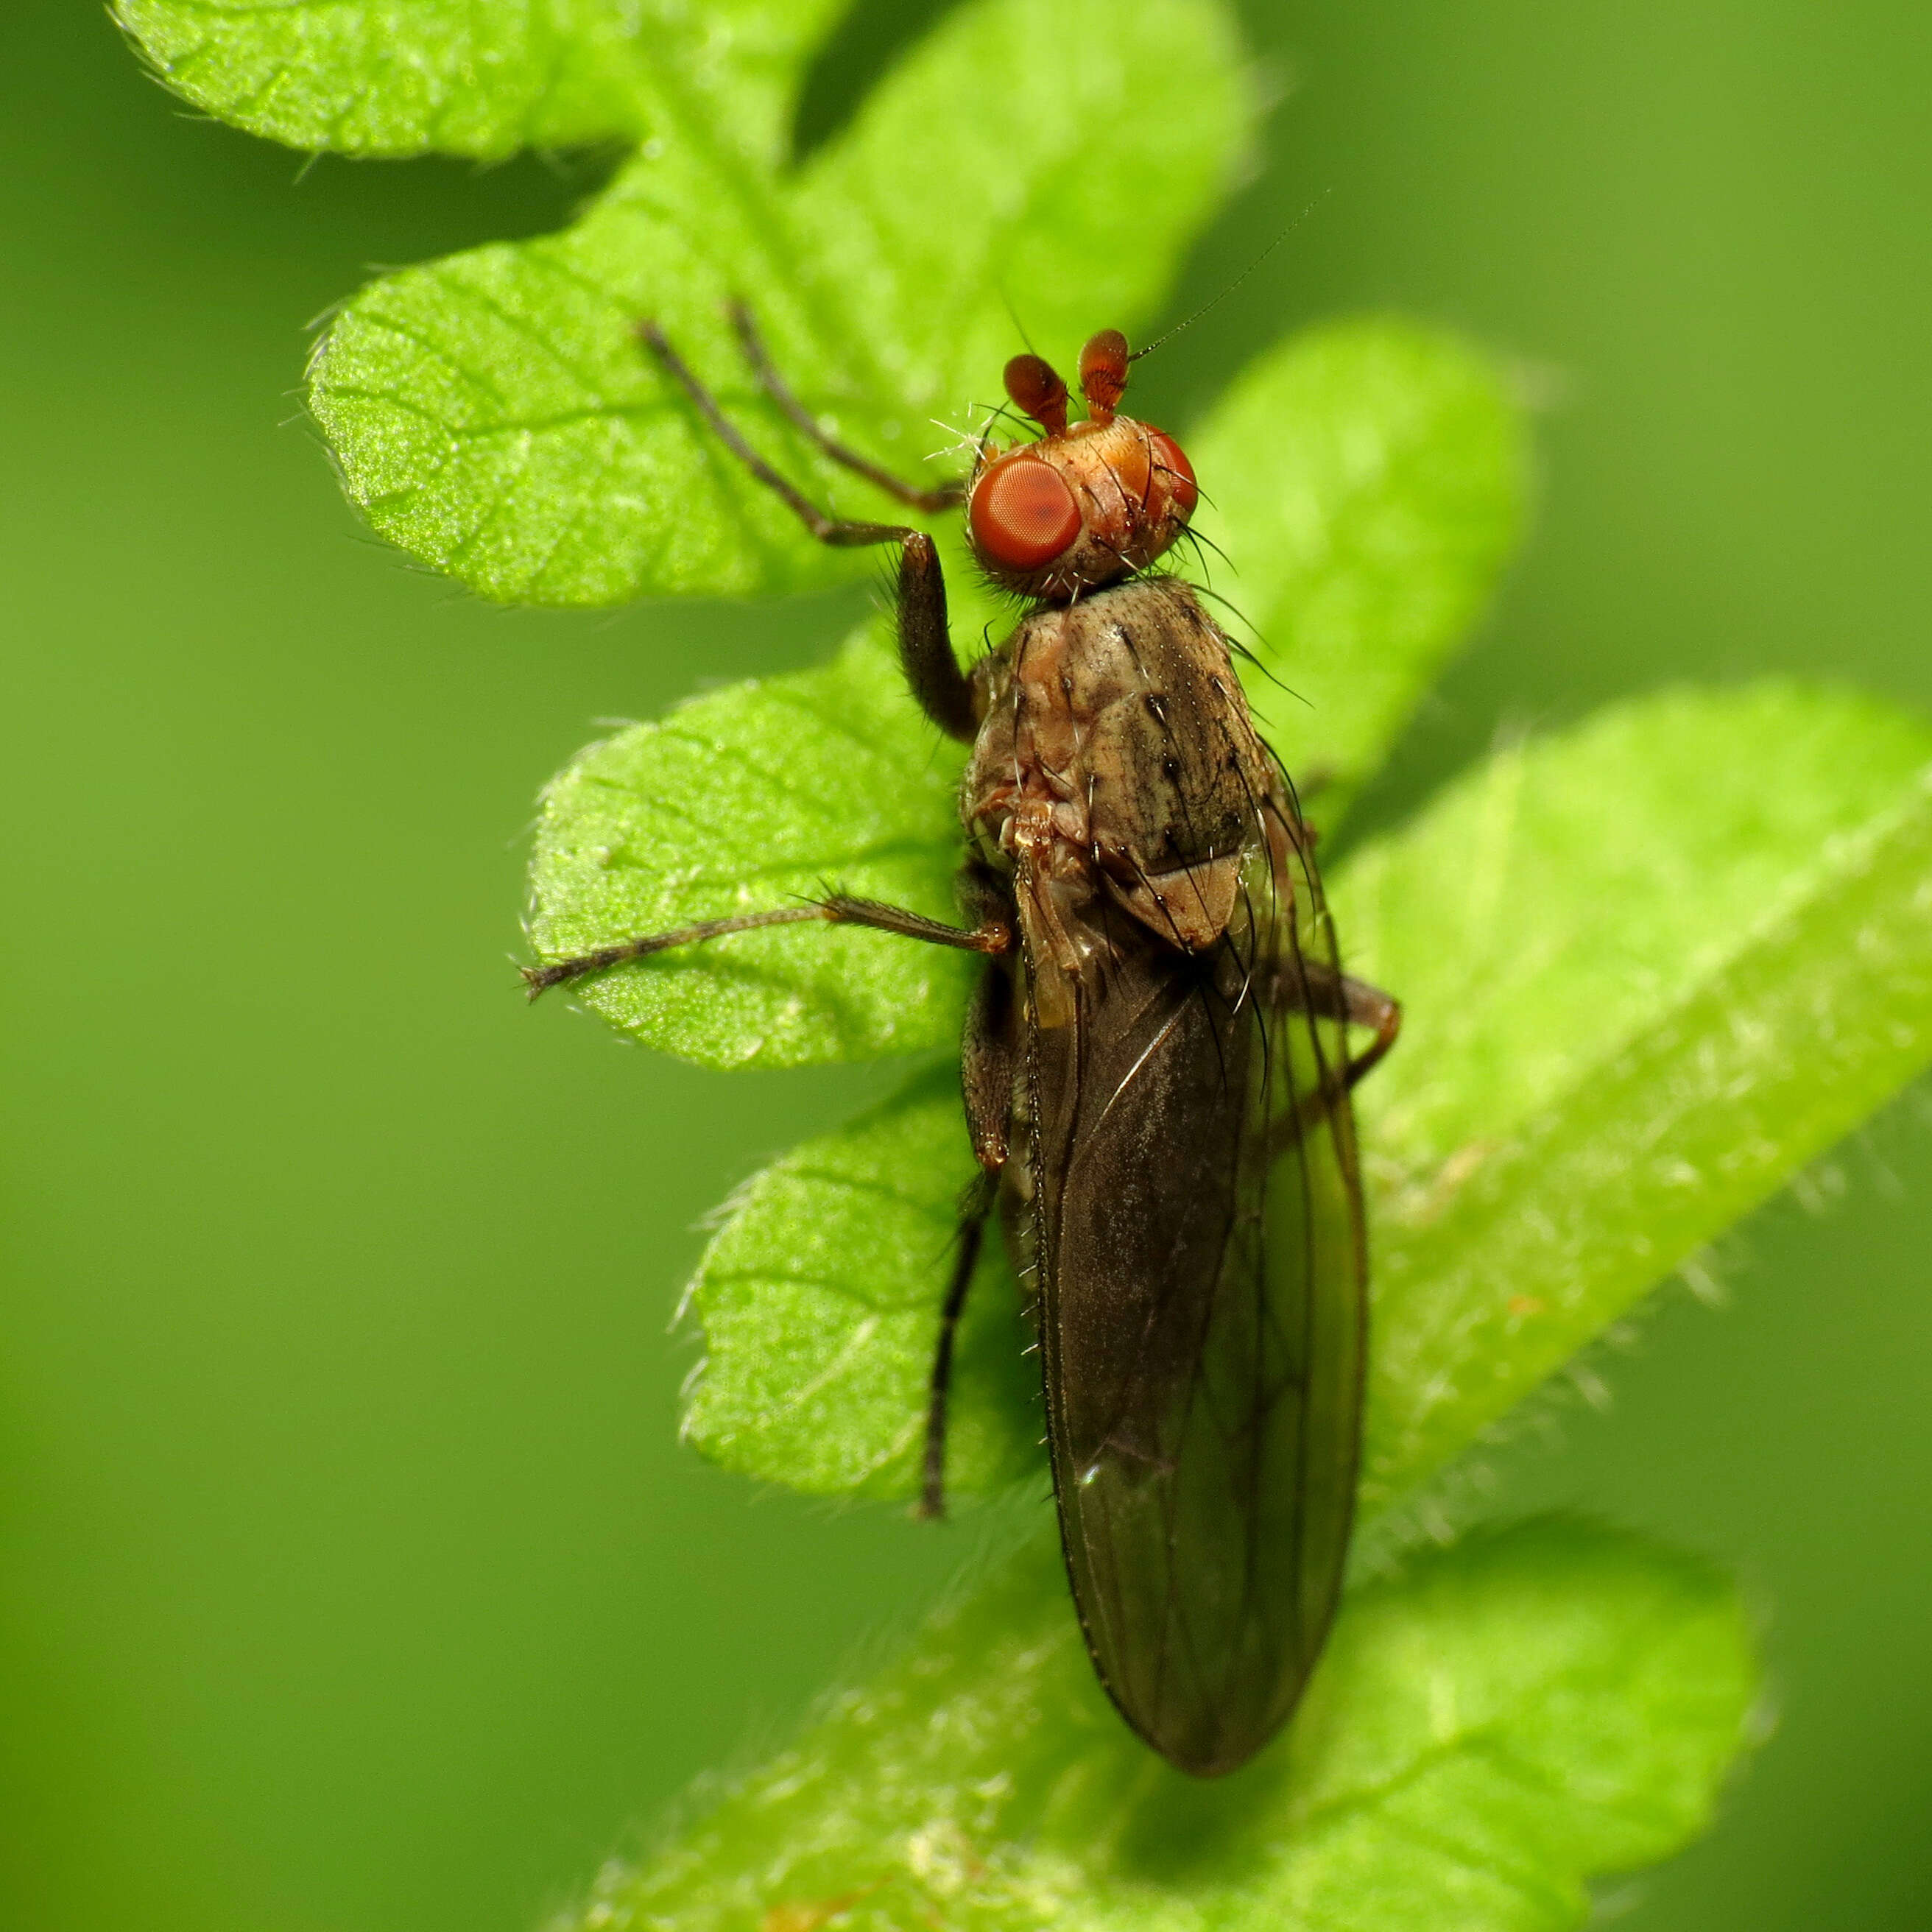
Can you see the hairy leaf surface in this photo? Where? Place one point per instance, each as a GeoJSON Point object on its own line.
{"type": "Point", "coordinates": [376, 77]}
{"type": "Point", "coordinates": [838, 1316]}
{"type": "Point", "coordinates": [1652, 968]}
{"type": "Point", "coordinates": [1485, 1730]}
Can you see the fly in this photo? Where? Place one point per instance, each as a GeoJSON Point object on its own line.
{"type": "Point", "coordinates": [1155, 1066]}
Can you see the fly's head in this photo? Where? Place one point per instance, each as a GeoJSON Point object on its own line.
{"type": "Point", "coordinates": [1087, 504]}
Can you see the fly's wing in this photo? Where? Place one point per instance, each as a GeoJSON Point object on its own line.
{"type": "Point", "coordinates": [1195, 1219]}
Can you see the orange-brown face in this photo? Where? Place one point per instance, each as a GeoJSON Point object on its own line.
{"type": "Point", "coordinates": [1084, 506]}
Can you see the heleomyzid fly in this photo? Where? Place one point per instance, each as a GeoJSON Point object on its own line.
{"type": "Point", "coordinates": [1155, 1065]}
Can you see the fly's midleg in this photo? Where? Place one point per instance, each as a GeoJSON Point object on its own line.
{"type": "Point", "coordinates": [992, 934]}
{"type": "Point", "coordinates": [973, 1212]}
{"type": "Point", "coordinates": [946, 497]}
{"type": "Point", "coordinates": [942, 690]}
{"type": "Point", "coordinates": [991, 937]}
{"type": "Point", "coordinates": [540, 979]}
{"type": "Point", "coordinates": [1331, 995]}
{"type": "Point", "coordinates": [1315, 988]}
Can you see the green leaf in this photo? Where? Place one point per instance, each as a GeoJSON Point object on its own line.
{"type": "Point", "coordinates": [820, 1299]}
{"type": "Point", "coordinates": [1366, 482]}
{"type": "Point", "coordinates": [756, 797]}
{"type": "Point", "coordinates": [1485, 1731]}
{"type": "Point", "coordinates": [1650, 969]}
{"type": "Point", "coordinates": [373, 77]}
{"type": "Point", "coordinates": [494, 413]}
{"type": "Point", "coordinates": [817, 1296]}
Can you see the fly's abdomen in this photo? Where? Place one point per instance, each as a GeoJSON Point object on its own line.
{"type": "Point", "coordinates": [1199, 1263]}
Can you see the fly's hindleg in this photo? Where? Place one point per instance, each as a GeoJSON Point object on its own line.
{"type": "Point", "coordinates": [989, 1059]}
{"type": "Point", "coordinates": [1331, 995]}
{"type": "Point", "coordinates": [943, 692]}
{"type": "Point", "coordinates": [1364, 1005]}
{"type": "Point", "coordinates": [989, 1044]}
{"type": "Point", "coordinates": [973, 1210]}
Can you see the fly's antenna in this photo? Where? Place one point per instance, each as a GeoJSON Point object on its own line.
{"type": "Point", "coordinates": [1013, 316]}
{"type": "Point", "coordinates": [1189, 321]}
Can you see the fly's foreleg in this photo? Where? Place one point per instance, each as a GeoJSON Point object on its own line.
{"type": "Point", "coordinates": [943, 692]}
{"type": "Point", "coordinates": [946, 497]}
{"type": "Point", "coordinates": [833, 530]}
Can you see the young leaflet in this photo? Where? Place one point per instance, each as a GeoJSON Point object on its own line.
{"type": "Point", "coordinates": [1155, 1065]}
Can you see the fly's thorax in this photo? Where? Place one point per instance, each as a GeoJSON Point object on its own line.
{"type": "Point", "coordinates": [1116, 732]}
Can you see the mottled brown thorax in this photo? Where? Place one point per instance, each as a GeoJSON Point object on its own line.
{"type": "Point", "coordinates": [1116, 763]}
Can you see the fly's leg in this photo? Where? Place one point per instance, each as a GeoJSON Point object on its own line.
{"type": "Point", "coordinates": [987, 1071]}
{"type": "Point", "coordinates": [987, 1056]}
{"type": "Point", "coordinates": [943, 692]}
{"type": "Point", "coordinates": [974, 1211]}
{"type": "Point", "coordinates": [946, 497]}
{"type": "Point", "coordinates": [1322, 991]}
{"type": "Point", "coordinates": [991, 937]}
{"type": "Point", "coordinates": [1310, 785]}
{"type": "Point", "coordinates": [1329, 995]}
{"type": "Point", "coordinates": [1364, 1005]}
{"type": "Point", "coordinates": [987, 1067]}
{"type": "Point", "coordinates": [841, 535]}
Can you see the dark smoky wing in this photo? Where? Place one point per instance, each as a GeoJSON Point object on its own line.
{"type": "Point", "coordinates": [1199, 1234]}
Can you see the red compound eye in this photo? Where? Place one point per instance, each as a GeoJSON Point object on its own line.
{"type": "Point", "coordinates": [1174, 470]}
{"type": "Point", "coordinates": [1023, 513]}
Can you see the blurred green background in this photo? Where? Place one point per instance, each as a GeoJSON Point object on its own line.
{"type": "Point", "coordinates": [350, 1576]}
